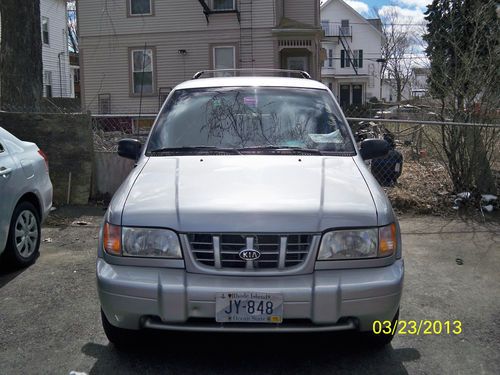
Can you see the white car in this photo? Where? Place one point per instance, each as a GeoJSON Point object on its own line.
{"type": "Point", "coordinates": [250, 209]}
{"type": "Point", "coordinates": [25, 198]}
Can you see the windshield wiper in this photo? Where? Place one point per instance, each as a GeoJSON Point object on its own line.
{"type": "Point", "coordinates": [193, 149]}
{"type": "Point", "coordinates": [281, 149]}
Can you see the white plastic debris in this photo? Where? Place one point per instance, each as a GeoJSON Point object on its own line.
{"type": "Point", "coordinates": [488, 208]}
{"type": "Point", "coordinates": [53, 208]}
{"type": "Point", "coordinates": [77, 373]}
{"type": "Point", "coordinates": [488, 197]}
{"type": "Point", "coordinates": [464, 195]}
{"type": "Point", "coordinates": [48, 240]}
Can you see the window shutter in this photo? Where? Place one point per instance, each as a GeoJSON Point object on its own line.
{"type": "Point", "coordinates": [360, 58]}
{"type": "Point", "coordinates": [342, 58]}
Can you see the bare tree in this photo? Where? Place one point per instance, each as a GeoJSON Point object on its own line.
{"type": "Point", "coordinates": [20, 56]}
{"type": "Point", "coordinates": [398, 47]}
{"type": "Point", "coordinates": [72, 26]}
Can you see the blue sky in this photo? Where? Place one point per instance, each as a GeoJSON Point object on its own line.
{"type": "Point", "coordinates": [411, 9]}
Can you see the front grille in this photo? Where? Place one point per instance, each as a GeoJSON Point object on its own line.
{"type": "Point", "coordinates": [277, 251]}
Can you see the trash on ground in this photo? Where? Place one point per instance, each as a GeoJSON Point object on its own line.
{"type": "Point", "coordinates": [488, 208]}
{"type": "Point", "coordinates": [80, 222]}
{"type": "Point", "coordinates": [488, 197]}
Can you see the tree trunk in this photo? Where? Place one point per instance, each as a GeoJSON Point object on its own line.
{"type": "Point", "coordinates": [20, 56]}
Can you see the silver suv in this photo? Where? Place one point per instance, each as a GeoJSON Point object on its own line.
{"type": "Point", "coordinates": [250, 209]}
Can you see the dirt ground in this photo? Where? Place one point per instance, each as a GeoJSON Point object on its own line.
{"type": "Point", "coordinates": [50, 324]}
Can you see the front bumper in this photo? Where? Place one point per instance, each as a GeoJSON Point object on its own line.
{"type": "Point", "coordinates": [138, 297]}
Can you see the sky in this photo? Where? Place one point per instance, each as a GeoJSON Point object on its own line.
{"type": "Point", "coordinates": [412, 9]}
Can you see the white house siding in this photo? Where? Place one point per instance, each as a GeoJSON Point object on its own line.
{"type": "Point", "coordinates": [55, 56]}
{"type": "Point", "coordinates": [106, 34]}
{"type": "Point", "coordinates": [364, 37]}
{"type": "Point", "coordinates": [55, 11]}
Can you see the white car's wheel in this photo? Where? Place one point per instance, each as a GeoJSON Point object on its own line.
{"type": "Point", "coordinates": [23, 242]}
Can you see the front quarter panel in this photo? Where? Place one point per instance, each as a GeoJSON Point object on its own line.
{"type": "Point", "coordinates": [385, 213]}
{"type": "Point", "coordinates": [115, 209]}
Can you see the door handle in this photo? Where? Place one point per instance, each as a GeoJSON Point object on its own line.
{"type": "Point", "coordinates": [5, 171]}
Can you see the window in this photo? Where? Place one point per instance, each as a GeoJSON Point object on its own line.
{"type": "Point", "coordinates": [358, 58]}
{"type": "Point", "coordinates": [222, 5]}
{"type": "Point", "coordinates": [330, 58]}
{"type": "Point", "coordinates": [236, 117]}
{"type": "Point", "coordinates": [142, 71]}
{"type": "Point", "coordinates": [140, 7]}
{"type": "Point", "coordinates": [45, 30]}
{"type": "Point", "coordinates": [76, 76]}
{"type": "Point", "coordinates": [224, 58]}
{"type": "Point", "coordinates": [344, 27]}
{"type": "Point", "coordinates": [104, 103]}
{"type": "Point", "coordinates": [163, 94]}
{"type": "Point", "coordinates": [325, 25]}
{"type": "Point", "coordinates": [344, 59]}
{"type": "Point", "coordinates": [47, 84]}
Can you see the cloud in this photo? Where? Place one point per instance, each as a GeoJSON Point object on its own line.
{"type": "Point", "coordinates": [358, 6]}
{"type": "Point", "coordinates": [406, 14]}
{"type": "Point", "coordinates": [422, 4]}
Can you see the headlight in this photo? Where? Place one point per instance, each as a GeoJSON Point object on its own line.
{"type": "Point", "coordinates": [147, 242]}
{"type": "Point", "coordinates": [358, 243]}
{"type": "Point", "coordinates": [141, 242]}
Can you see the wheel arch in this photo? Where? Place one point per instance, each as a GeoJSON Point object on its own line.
{"type": "Point", "coordinates": [34, 200]}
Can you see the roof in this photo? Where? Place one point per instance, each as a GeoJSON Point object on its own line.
{"type": "Point", "coordinates": [371, 24]}
{"type": "Point", "coordinates": [251, 81]}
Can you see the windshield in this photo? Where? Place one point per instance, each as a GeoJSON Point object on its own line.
{"type": "Point", "coordinates": [257, 118]}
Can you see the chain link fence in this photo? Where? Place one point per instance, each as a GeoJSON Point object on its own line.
{"type": "Point", "coordinates": [415, 174]}
{"type": "Point", "coordinates": [418, 173]}
{"type": "Point", "coordinates": [109, 129]}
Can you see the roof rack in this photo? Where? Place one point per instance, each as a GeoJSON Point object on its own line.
{"type": "Point", "coordinates": [300, 73]}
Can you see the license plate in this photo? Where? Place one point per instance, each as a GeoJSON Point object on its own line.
{"type": "Point", "coordinates": [248, 307]}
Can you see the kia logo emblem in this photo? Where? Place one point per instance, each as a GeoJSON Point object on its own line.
{"type": "Point", "coordinates": [249, 254]}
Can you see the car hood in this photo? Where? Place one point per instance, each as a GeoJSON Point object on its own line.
{"type": "Point", "coordinates": [250, 193]}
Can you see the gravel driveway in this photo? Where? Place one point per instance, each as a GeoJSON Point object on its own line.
{"type": "Point", "coordinates": [50, 323]}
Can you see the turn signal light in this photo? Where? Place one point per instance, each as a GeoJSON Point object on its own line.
{"type": "Point", "coordinates": [387, 241]}
{"type": "Point", "coordinates": [112, 239]}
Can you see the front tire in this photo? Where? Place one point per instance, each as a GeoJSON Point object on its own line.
{"type": "Point", "coordinates": [23, 241]}
{"type": "Point", "coordinates": [119, 337]}
{"type": "Point", "coordinates": [381, 340]}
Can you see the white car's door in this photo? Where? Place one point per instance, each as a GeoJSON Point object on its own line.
{"type": "Point", "coordinates": [8, 171]}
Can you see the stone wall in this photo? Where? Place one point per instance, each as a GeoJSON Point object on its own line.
{"type": "Point", "coordinates": [67, 141]}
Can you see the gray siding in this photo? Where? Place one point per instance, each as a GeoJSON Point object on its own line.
{"type": "Point", "coordinates": [106, 63]}
{"type": "Point", "coordinates": [107, 32]}
{"type": "Point", "coordinates": [97, 19]}
{"type": "Point", "coordinates": [302, 10]}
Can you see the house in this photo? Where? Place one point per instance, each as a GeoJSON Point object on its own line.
{"type": "Point", "coordinates": [418, 82]}
{"type": "Point", "coordinates": [132, 52]}
{"type": "Point", "coordinates": [55, 56]}
{"type": "Point", "coordinates": [352, 48]}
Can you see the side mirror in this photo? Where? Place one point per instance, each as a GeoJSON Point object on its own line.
{"type": "Point", "coordinates": [374, 148]}
{"type": "Point", "coordinates": [129, 148]}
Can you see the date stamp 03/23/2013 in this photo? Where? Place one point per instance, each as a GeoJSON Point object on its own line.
{"type": "Point", "coordinates": [417, 327]}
